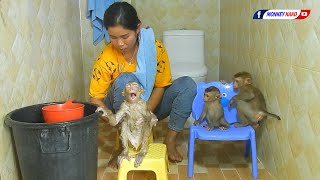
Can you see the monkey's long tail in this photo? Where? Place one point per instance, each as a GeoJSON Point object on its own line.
{"type": "Point", "coordinates": [273, 115]}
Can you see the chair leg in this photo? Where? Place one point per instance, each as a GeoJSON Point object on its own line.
{"type": "Point", "coordinates": [254, 157]}
{"type": "Point", "coordinates": [191, 154]}
{"type": "Point", "coordinates": [248, 148]}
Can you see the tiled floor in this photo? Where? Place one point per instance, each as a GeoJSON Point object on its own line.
{"type": "Point", "coordinates": [213, 159]}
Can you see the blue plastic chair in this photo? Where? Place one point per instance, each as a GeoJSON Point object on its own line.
{"type": "Point", "coordinates": [242, 133]}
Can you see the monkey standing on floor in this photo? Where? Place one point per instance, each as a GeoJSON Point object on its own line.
{"type": "Point", "coordinates": [250, 103]}
{"type": "Point", "coordinates": [136, 122]}
{"type": "Point", "coordinates": [212, 110]}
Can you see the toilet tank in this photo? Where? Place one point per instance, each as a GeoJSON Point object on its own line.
{"type": "Point", "coordinates": [184, 46]}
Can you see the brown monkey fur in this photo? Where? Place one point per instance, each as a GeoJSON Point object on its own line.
{"type": "Point", "coordinates": [250, 102]}
{"type": "Point", "coordinates": [136, 123]}
{"type": "Point", "coordinates": [212, 110]}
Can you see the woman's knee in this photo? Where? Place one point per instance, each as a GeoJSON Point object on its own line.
{"type": "Point", "coordinates": [125, 77]}
{"type": "Point", "coordinates": [186, 83]}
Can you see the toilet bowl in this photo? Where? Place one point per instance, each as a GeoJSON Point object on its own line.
{"type": "Point", "coordinates": [197, 72]}
{"type": "Point", "coordinates": [186, 55]}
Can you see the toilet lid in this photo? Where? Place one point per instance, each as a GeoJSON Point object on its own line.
{"type": "Point", "coordinates": [190, 69]}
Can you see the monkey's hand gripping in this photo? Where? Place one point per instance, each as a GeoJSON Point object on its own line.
{"type": "Point", "coordinates": [107, 113]}
{"type": "Point", "coordinates": [154, 119]}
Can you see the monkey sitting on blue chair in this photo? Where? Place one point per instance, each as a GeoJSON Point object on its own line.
{"type": "Point", "coordinates": [212, 110]}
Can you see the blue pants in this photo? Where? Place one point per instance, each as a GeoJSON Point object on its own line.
{"type": "Point", "coordinates": [176, 101]}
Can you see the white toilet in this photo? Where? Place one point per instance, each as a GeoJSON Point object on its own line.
{"type": "Point", "coordinates": [186, 55]}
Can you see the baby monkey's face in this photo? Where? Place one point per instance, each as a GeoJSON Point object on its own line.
{"type": "Point", "coordinates": [132, 92]}
{"type": "Point", "coordinates": [211, 96]}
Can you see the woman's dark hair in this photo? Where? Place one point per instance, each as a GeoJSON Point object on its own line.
{"type": "Point", "coordinates": [121, 13]}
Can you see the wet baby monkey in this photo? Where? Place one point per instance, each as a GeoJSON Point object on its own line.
{"type": "Point", "coordinates": [136, 123]}
{"type": "Point", "coordinates": [249, 102]}
{"type": "Point", "coordinates": [212, 110]}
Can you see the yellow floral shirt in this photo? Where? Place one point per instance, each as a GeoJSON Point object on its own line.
{"type": "Point", "coordinates": [111, 63]}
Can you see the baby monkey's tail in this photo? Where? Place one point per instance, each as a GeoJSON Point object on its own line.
{"type": "Point", "coordinates": [273, 115]}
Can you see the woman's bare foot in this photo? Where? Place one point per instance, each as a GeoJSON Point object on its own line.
{"type": "Point", "coordinates": [113, 162]}
{"type": "Point", "coordinates": [173, 153]}
{"type": "Point", "coordinates": [170, 141]}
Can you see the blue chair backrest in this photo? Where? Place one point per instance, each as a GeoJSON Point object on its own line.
{"type": "Point", "coordinates": [227, 93]}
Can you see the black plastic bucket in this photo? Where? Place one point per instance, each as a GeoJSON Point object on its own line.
{"type": "Point", "coordinates": [55, 151]}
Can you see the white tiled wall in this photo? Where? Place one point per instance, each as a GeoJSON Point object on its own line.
{"type": "Point", "coordinates": [283, 57]}
{"type": "Point", "coordinates": [40, 61]}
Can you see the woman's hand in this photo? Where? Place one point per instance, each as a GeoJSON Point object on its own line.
{"type": "Point", "coordinates": [155, 98]}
